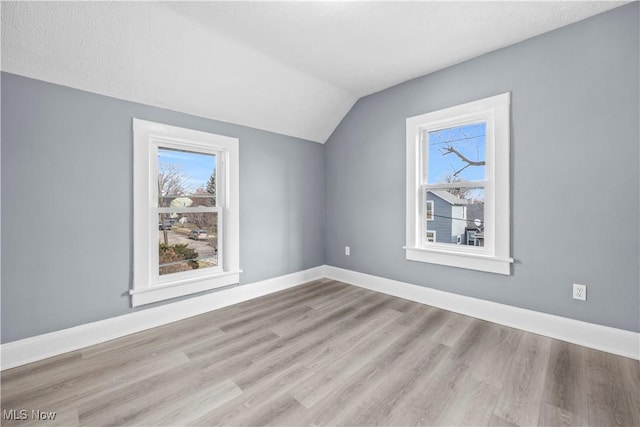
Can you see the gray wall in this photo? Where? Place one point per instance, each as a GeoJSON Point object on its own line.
{"type": "Point", "coordinates": [66, 186]}
{"type": "Point", "coordinates": [575, 179]}
{"type": "Point", "coordinates": [67, 204]}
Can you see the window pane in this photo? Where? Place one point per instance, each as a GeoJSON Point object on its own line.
{"type": "Point", "coordinates": [186, 179]}
{"type": "Point", "coordinates": [458, 216]}
{"type": "Point", "coordinates": [457, 154]}
{"type": "Point", "coordinates": [187, 241]}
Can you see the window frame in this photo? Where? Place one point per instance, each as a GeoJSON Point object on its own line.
{"type": "Point", "coordinates": [494, 257]}
{"type": "Point", "coordinates": [148, 285]}
{"type": "Point", "coordinates": [156, 143]}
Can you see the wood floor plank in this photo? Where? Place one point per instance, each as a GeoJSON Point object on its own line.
{"type": "Point", "coordinates": [146, 344]}
{"type": "Point", "coordinates": [308, 293]}
{"type": "Point", "coordinates": [72, 394]}
{"type": "Point", "coordinates": [350, 391]}
{"type": "Point", "coordinates": [631, 384]}
{"type": "Point", "coordinates": [332, 372]}
{"type": "Point", "coordinates": [222, 365]}
{"type": "Point", "coordinates": [249, 315]}
{"type": "Point", "coordinates": [407, 371]}
{"type": "Point", "coordinates": [84, 379]}
{"type": "Point", "coordinates": [608, 402]}
{"type": "Point", "coordinates": [498, 347]}
{"type": "Point", "coordinates": [475, 342]}
{"type": "Point", "coordinates": [291, 296]}
{"type": "Point", "coordinates": [273, 412]}
{"type": "Point", "coordinates": [327, 353]}
{"type": "Point", "coordinates": [452, 330]}
{"type": "Point", "coordinates": [197, 327]}
{"type": "Point", "coordinates": [193, 405]}
{"type": "Point", "coordinates": [41, 367]}
{"type": "Point", "coordinates": [329, 301]}
{"type": "Point", "coordinates": [311, 318]}
{"type": "Point", "coordinates": [430, 400]}
{"type": "Point", "coordinates": [278, 352]}
{"type": "Point", "coordinates": [253, 397]}
{"type": "Point", "coordinates": [364, 331]}
{"type": "Point", "coordinates": [472, 405]}
{"type": "Point", "coordinates": [497, 421]}
{"type": "Point", "coordinates": [301, 345]}
{"type": "Point", "coordinates": [551, 415]}
{"type": "Point", "coordinates": [522, 394]}
{"type": "Point", "coordinates": [265, 319]}
{"type": "Point", "coordinates": [564, 389]}
{"type": "Point", "coordinates": [130, 405]}
{"type": "Point", "coordinates": [231, 343]}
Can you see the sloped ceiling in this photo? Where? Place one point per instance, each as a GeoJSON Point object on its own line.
{"type": "Point", "coordinates": [295, 68]}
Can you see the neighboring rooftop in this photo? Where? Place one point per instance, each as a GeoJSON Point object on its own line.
{"type": "Point", "coordinates": [450, 198]}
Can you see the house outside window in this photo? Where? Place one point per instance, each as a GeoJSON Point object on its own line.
{"type": "Point", "coordinates": [458, 186]}
{"type": "Point", "coordinates": [186, 218]}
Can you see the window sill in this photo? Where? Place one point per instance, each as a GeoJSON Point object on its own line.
{"type": "Point", "coordinates": [466, 260]}
{"type": "Point", "coordinates": [174, 290]}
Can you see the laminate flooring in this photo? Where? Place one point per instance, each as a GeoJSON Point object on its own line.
{"type": "Point", "coordinates": [327, 353]}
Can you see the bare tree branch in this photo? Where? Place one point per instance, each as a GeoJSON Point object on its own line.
{"type": "Point", "coordinates": [461, 192]}
{"type": "Point", "coordinates": [457, 173]}
{"type": "Point", "coordinates": [449, 149]}
{"type": "Point", "coordinates": [171, 182]}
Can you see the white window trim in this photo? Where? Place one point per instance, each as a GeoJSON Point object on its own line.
{"type": "Point", "coordinates": [494, 257]}
{"type": "Point", "coordinates": [147, 136]}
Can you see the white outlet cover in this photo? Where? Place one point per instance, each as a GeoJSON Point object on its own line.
{"type": "Point", "coordinates": [579, 292]}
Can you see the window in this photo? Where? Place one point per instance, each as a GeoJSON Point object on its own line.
{"type": "Point", "coordinates": [471, 237]}
{"type": "Point", "coordinates": [186, 219]}
{"type": "Point", "coordinates": [458, 159]}
{"type": "Point", "coordinates": [429, 214]}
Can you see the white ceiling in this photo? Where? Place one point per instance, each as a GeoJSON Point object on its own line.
{"type": "Point", "coordinates": [294, 68]}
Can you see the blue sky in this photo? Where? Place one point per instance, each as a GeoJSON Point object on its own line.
{"type": "Point", "coordinates": [195, 166]}
{"type": "Point", "coordinates": [468, 140]}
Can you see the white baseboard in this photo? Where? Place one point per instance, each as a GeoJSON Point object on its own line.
{"type": "Point", "coordinates": [36, 348]}
{"type": "Point", "coordinates": [612, 340]}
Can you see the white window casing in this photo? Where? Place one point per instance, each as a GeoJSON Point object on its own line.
{"type": "Point", "coordinates": [494, 256]}
{"type": "Point", "coordinates": [148, 285]}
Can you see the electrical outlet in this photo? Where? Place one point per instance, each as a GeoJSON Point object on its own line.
{"type": "Point", "coordinates": [347, 250]}
{"type": "Point", "coordinates": [579, 292]}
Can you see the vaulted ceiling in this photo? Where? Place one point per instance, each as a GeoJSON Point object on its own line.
{"type": "Point", "coordinates": [295, 68]}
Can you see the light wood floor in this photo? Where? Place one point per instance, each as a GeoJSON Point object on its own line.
{"type": "Point", "coordinates": [326, 353]}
